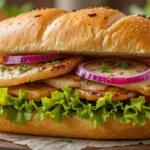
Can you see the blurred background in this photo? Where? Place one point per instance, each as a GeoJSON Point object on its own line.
{"type": "Point", "coordinates": [9, 8]}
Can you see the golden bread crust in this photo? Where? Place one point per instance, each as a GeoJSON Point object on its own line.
{"type": "Point", "coordinates": [80, 31]}
{"type": "Point", "coordinates": [23, 33]}
{"type": "Point", "coordinates": [77, 128]}
{"type": "Point", "coordinates": [45, 31]}
{"type": "Point", "coordinates": [94, 31]}
{"type": "Point", "coordinates": [128, 36]}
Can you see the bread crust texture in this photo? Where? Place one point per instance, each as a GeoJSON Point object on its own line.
{"type": "Point", "coordinates": [91, 31]}
{"type": "Point", "coordinates": [54, 30]}
{"type": "Point", "coordinates": [77, 128]}
{"type": "Point", "coordinates": [23, 33]}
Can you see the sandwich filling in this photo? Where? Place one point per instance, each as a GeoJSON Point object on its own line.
{"type": "Point", "coordinates": [92, 90]}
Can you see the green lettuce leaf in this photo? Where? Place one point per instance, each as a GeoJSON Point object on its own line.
{"type": "Point", "coordinates": [19, 117]}
{"type": "Point", "coordinates": [67, 103]}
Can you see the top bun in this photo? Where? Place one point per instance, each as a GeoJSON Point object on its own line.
{"type": "Point", "coordinates": [92, 31]}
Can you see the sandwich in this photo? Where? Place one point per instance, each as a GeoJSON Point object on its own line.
{"type": "Point", "coordinates": [82, 74]}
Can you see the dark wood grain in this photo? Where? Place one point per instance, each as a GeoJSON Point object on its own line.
{"type": "Point", "coordinates": [5, 145]}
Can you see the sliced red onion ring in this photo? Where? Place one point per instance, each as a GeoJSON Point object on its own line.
{"type": "Point", "coordinates": [83, 72]}
{"type": "Point", "coordinates": [31, 58]}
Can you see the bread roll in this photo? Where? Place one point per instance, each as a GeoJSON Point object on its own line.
{"type": "Point", "coordinates": [78, 128]}
{"type": "Point", "coordinates": [93, 31]}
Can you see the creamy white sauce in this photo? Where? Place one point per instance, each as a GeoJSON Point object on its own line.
{"type": "Point", "coordinates": [114, 71]}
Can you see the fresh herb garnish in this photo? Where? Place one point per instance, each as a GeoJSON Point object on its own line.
{"type": "Point", "coordinates": [40, 69]}
{"type": "Point", "coordinates": [123, 65]}
{"type": "Point", "coordinates": [139, 71]}
{"type": "Point", "coordinates": [3, 68]}
{"type": "Point", "coordinates": [53, 62]}
{"type": "Point", "coordinates": [104, 67]}
{"type": "Point", "coordinates": [110, 76]}
{"type": "Point", "coordinates": [24, 68]}
{"type": "Point", "coordinates": [121, 73]}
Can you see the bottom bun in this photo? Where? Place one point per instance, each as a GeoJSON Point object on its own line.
{"type": "Point", "coordinates": [78, 128]}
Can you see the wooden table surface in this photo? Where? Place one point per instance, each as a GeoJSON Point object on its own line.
{"type": "Point", "coordinates": [5, 145]}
